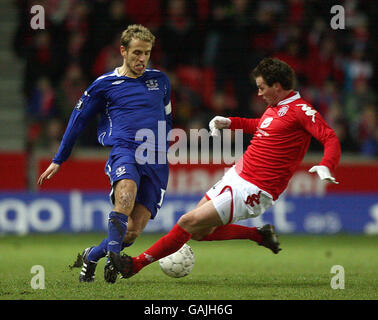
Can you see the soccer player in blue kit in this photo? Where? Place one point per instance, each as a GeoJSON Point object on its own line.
{"type": "Point", "coordinates": [129, 99]}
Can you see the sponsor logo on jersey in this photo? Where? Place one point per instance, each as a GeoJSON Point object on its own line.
{"type": "Point", "coordinates": [118, 81]}
{"type": "Point", "coordinates": [308, 111]}
{"type": "Point", "coordinates": [283, 111]}
{"type": "Point", "coordinates": [152, 84]}
{"type": "Point", "coordinates": [266, 122]}
{"type": "Point", "coordinates": [262, 133]}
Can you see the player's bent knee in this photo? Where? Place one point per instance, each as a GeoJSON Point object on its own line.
{"type": "Point", "coordinates": [186, 221]}
{"type": "Point", "coordinates": [190, 223]}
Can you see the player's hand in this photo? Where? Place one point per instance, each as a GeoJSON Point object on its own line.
{"type": "Point", "coordinates": [49, 173]}
{"type": "Point", "coordinates": [217, 123]}
{"type": "Point", "coordinates": [323, 173]}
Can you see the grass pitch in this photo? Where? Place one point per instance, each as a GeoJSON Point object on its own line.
{"type": "Point", "coordinates": [224, 270]}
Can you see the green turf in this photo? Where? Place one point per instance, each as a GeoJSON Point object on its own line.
{"type": "Point", "coordinates": [231, 270]}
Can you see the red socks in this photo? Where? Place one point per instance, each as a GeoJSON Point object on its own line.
{"type": "Point", "coordinates": [165, 246]}
{"type": "Point", "coordinates": [233, 231]}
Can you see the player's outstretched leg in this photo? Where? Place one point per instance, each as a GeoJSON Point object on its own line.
{"type": "Point", "coordinates": [87, 273]}
{"type": "Point", "coordinates": [269, 238]}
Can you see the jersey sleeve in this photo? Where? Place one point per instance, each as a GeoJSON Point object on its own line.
{"type": "Point", "coordinates": [247, 125]}
{"type": "Point", "coordinates": [167, 104]}
{"type": "Point", "coordinates": [88, 105]}
{"type": "Point", "coordinates": [313, 122]}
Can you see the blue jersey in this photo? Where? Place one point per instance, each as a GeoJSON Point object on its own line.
{"type": "Point", "coordinates": [127, 107]}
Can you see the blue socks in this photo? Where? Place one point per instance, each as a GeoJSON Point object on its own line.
{"type": "Point", "coordinates": [117, 226]}
{"type": "Point", "coordinates": [102, 249]}
{"type": "Point", "coordinates": [98, 252]}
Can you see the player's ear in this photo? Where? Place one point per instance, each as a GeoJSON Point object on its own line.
{"type": "Point", "coordinates": [122, 50]}
{"type": "Point", "coordinates": [277, 86]}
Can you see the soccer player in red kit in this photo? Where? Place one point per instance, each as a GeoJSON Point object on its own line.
{"type": "Point", "coordinates": [281, 138]}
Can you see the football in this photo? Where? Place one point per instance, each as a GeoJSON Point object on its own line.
{"type": "Point", "coordinates": [178, 264]}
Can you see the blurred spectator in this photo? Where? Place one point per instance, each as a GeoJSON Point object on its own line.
{"type": "Point", "coordinates": [232, 27]}
{"type": "Point", "coordinates": [114, 20]}
{"type": "Point", "coordinates": [39, 61]}
{"type": "Point", "coordinates": [108, 58]}
{"type": "Point", "coordinates": [70, 90]}
{"type": "Point", "coordinates": [292, 54]}
{"type": "Point", "coordinates": [41, 108]}
{"type": "Point", "coordinates": [145, 12]}
{"type": "Point", "coordinates": [178, 36]}
{"type": "Point", "coordinates": [356, 69]}
{"type": "Point", "coordinates": [368, 130]}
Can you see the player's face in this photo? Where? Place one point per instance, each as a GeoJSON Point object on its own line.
{"type": "Point", "coordinates": [269, 94]}
{"type": "Point", "coordinates": [136, 57]}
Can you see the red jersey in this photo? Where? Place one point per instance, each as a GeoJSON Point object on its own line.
{"type": "Point", "coordinates": [281, 139]}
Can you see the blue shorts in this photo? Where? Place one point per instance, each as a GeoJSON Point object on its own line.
{"type": "Point", "coordinates": [151, 179]}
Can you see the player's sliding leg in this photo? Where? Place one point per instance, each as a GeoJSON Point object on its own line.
{"type": "Point", "coordinates": [264, 236]}
{"type": "Point", "coordinates": [198, 219]}
{"type": "Point", "coordinates": [227, 231]}
{"type": "Point", "coordinates": [231, 231]}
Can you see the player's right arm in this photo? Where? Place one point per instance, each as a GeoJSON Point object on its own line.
{"type": "Point", "coordinates": [233, 123]}
{"type": "Point", "coordinates": [247, 125]}
{"type": "Point", "coordinates": [88, 105]}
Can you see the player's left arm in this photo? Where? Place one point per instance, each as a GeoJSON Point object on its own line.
{"type": "Point", "coordinates": [313, 122]}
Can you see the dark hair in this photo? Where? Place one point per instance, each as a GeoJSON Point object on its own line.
{"type": "Point", "coordinates": [273, 70]}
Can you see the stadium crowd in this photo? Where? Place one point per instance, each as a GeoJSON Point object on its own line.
{"type": "Point", "coordinates": [208, 48]}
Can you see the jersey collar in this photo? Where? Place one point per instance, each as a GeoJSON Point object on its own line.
{"type": "Point", "coordinates": [292, 96]}
{"type": "Point", "coordinates": [118, 75]}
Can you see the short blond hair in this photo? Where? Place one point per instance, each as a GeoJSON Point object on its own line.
{"type": "Point", "coordinates": [136, 31]}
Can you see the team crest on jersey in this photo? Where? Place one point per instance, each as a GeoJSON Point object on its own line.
{"type": "Point", "coordinates": [283, 111]}
{"type": "Point", "coordinates": [152, 84]}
